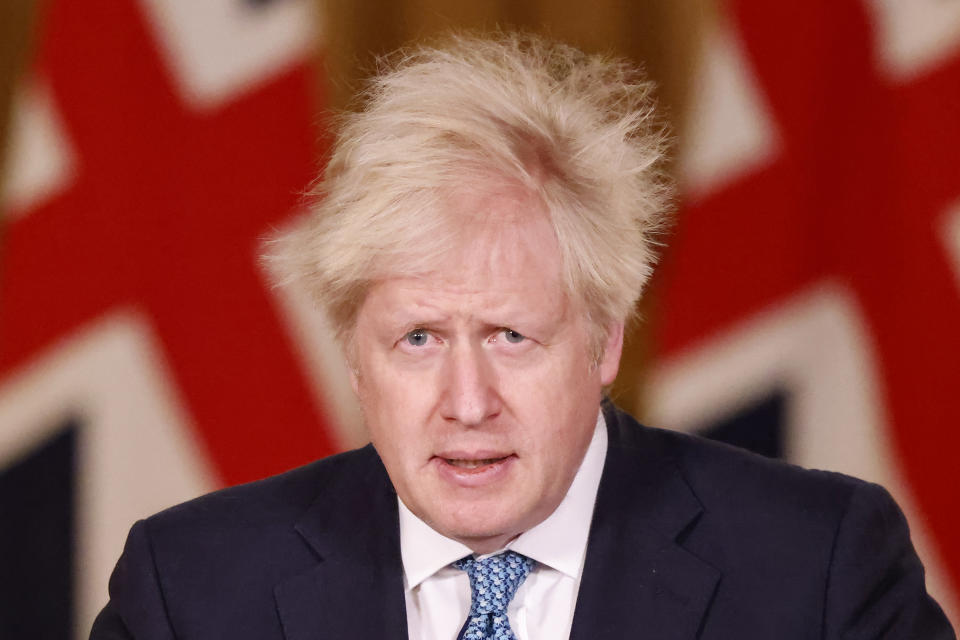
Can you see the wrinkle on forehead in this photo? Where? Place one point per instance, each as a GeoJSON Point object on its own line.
{"type": "Point", "coordinates": [497, 228]}
{"type": "Point", "coordinates": [483, 217]}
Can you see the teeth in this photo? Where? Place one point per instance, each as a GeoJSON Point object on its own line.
{"type": "Point", "coordinates": [472, 464]}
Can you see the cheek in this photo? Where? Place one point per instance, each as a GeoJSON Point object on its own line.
{"type": "Point", "coordinates": [554, 407]}
{"type": "Point", "coordinates": [567, 381]}
{"type": "Point", "coordinates": [396, 407]}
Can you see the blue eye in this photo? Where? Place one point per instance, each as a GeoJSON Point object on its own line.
{"type": "Point", "coordinates": [513, 336]}
{"type": "Point", "coordinates": [417, 337]}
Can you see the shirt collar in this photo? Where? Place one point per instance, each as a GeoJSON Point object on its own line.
{"type": "Point", "coordinates": [559, 542]}
{"type": "Point", "coordinates": [423, 550]}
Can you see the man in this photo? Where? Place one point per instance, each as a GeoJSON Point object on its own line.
{"type": "Point", "coordinates": [479, 239]}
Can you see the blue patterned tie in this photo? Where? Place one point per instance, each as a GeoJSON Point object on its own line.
{"type": "Point", "coordinates": [493, 582]}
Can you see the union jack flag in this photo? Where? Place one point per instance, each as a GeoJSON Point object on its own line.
{"type": "Point", "coordinates": [144, 356]}
{"type": "Point", "coordinates": [810, 301]}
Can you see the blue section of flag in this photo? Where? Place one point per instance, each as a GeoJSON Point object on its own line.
{"type": "Point", "coordinates": [759, 427]}
{"type": "Point", "coordinates": [37, 512]}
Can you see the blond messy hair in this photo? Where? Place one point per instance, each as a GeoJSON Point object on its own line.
{"type": "Point", "coordinates": [576, 131]}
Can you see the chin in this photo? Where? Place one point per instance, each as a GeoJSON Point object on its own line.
{"type": "Point", "coordinates": [475, 529]}
{"type": "Point", "coordinates": [470, 529]}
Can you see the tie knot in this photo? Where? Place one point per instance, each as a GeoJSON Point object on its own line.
{"type": "Point", "coordinates": [494, 580]}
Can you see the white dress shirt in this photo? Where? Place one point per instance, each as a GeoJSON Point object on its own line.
{"type": "Point", "coordinates": [438, 595]}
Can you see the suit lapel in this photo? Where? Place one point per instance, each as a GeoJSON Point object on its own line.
{"type": "Point", "coordinates": [356, 588]}
{"type": "Point", "coordinates": [636, 574]}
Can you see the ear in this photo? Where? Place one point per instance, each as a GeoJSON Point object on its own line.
{"type": "Point", "coordinates": [610, 360]}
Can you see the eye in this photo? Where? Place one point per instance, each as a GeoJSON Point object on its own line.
{"type": "Point", "coordinates": [513, 336]}
{"type": "Point", "coordinates": [417, 337]}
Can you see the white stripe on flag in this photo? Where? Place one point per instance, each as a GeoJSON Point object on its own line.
{"type": "Point", "coordinates": [219, 48]}
{"type": "Point", "coordinates": [729, 132]}
{"type": "Point", "coordinates": [913, 36]}
{"type": "Point", "coordinates": [40, 161]}
{"type": "Point", "coordinates": [136, 453]}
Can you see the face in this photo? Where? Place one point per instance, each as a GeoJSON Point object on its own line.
{"type": "Point", "coordinates": [477, 381]}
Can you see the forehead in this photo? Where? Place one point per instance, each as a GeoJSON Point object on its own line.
{"type": "Point", "coordinates": [485, 226]}
{"type": "Point", "coordinates": [499, 257]}
{"type": "Point", "coordinates": [503, 232]}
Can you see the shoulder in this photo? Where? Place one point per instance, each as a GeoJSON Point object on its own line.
{"type": "Point", "coordinates": [212, 563]}
{"type": "Point", "coordinates": [723, 475]}
{"type": "Point", "coordinates": [276, 501]}
{"type": "Point", "coordinates": [248, 533]}
{"type": "Point", "coordinates": [750, 509]}
{"type": "Point", "coordinates": [805, 542]}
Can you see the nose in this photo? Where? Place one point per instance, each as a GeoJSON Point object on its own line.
{"type": "Point", "coordinates": [471, 394]}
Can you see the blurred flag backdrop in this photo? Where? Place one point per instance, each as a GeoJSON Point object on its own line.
{"type": "Point", "coordinates": [808, 309]}
{"type": "Point", "coordinates": [810, 300]}
{"type": "Point", "coordinates": [144, 358]}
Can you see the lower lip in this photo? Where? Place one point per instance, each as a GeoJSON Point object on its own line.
{"type": "Point", "coordinates": [476, 477]}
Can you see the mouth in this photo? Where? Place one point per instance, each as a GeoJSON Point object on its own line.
{"type": "Point", "coordinates": [472, 464]}
{"type": "Point", "coordinates": [474, 469]}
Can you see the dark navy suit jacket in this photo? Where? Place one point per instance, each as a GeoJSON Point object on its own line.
{"type": "Point", "coordinates": [690, 539]}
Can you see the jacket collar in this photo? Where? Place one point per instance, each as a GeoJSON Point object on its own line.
{"type": "Point", "coordinates": [355, 591]}
{"type": "Point", "coordinates": [637, 575]}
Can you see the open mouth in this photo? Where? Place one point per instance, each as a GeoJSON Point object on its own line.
{"type": "Point", "coordinates": [470, 470]}
{"type": "Point", "coordinates": [473, 464]}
